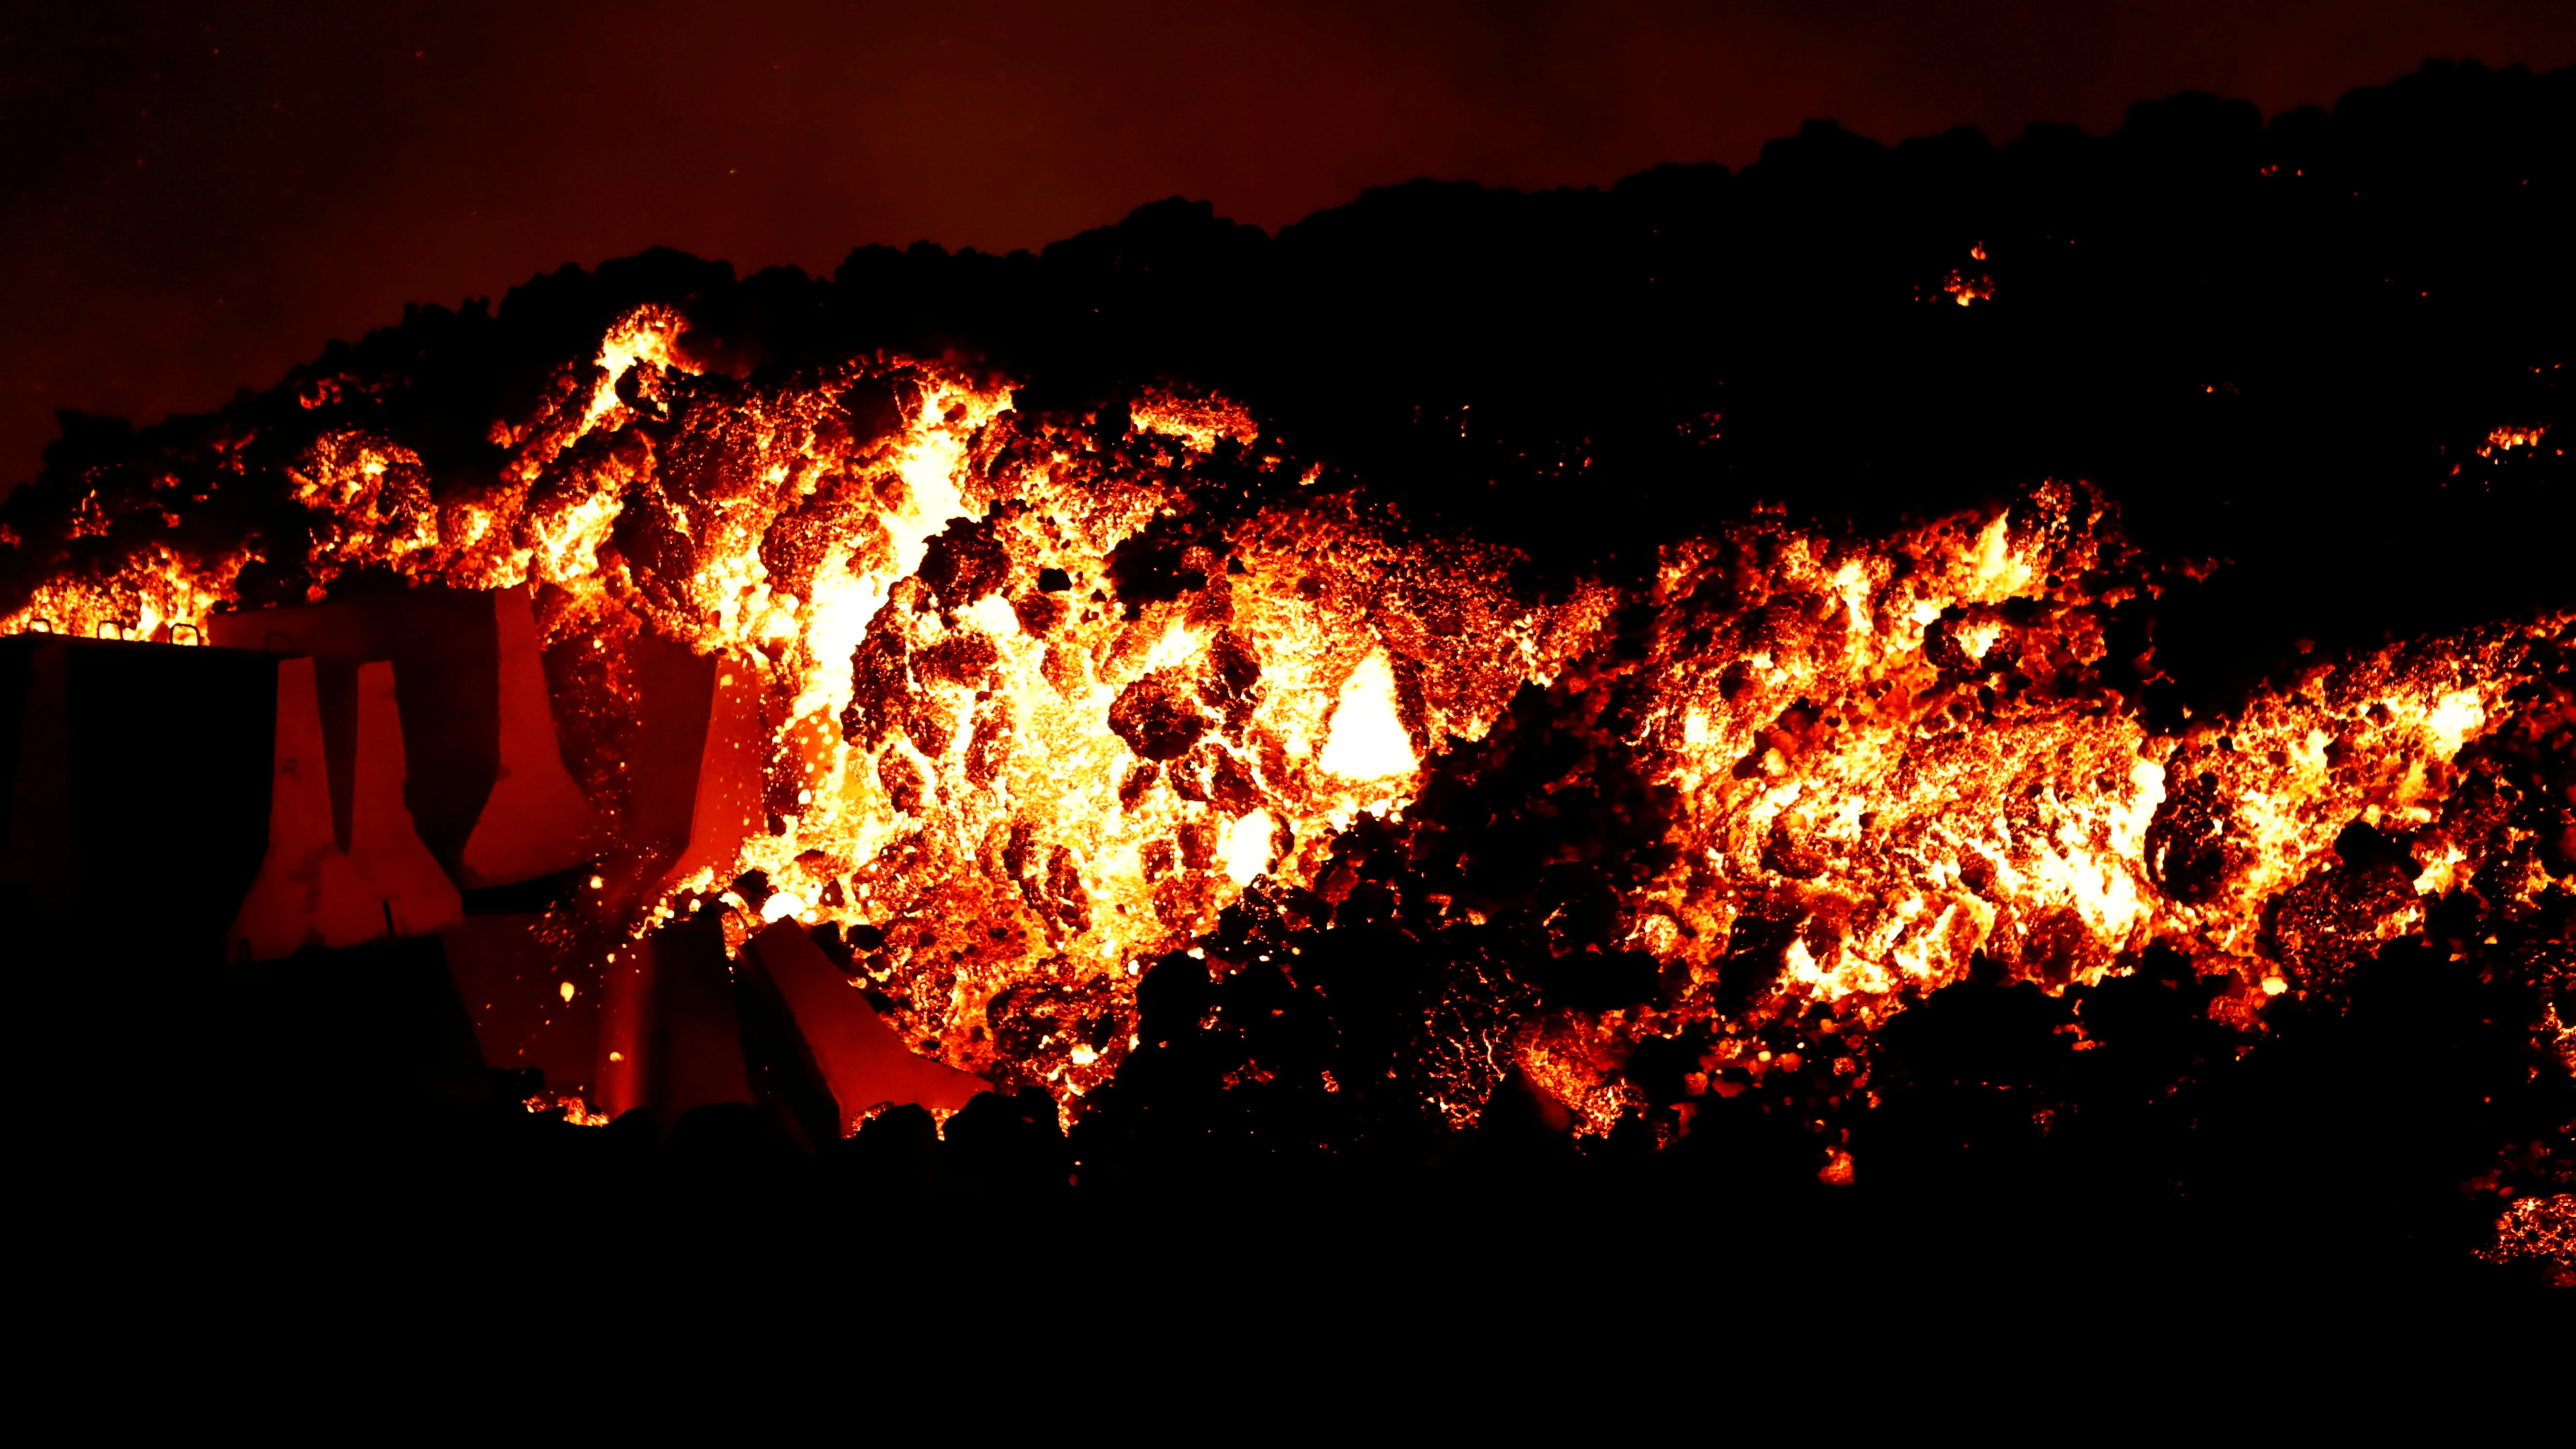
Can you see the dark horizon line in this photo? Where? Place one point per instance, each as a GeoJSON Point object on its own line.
{"type": "Point", "coordinates": [2031, 130]}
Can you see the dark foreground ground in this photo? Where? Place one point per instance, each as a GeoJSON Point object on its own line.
{"type": "Point", "coordinates": [2351, 1157]}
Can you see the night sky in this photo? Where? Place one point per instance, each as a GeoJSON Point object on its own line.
{"type": "Point", "coordinates": [192, 197]}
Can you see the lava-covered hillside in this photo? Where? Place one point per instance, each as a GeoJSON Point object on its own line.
{"type": "Point", "coordinates": [1956, 670]}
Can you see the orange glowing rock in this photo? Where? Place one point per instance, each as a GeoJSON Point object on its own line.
{"type": "Point", "coordinates": [537, 821]}
{"type": "Point", "coordinates": [986, 685]}
{"type": "Point", "coordinates": [308, 892]}
{"type": "Point", "coordinates": [1009, 698]}
{"type": "Point", "coordinates": [2538, 1227]}
{"type": "Point", "coordinates": [1368, 739]}
{"type": "Point", "coordinates": [863, 1061]}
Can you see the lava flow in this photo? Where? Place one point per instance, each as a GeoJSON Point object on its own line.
{"type": "Point", "coordinates": [1848, 772]}
{"type": "Point", "coordinates": [746, 711]}
{"type": "Point", "coordinates": [1030, 707]}
{"type": "Point", "coordinates": [1029, 703]}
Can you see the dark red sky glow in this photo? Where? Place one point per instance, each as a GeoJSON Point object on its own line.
{"type": "Point", "coordinates": [192, 197]}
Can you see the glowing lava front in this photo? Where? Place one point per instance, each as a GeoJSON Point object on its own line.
{"type": "Point", "coordinates": [1036, 704]}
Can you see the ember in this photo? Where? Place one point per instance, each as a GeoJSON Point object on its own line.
{"type": "Point", "coordinates": [1094, 751]}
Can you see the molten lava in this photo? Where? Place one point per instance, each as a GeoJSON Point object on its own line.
{"type": "Point", "coordinates": [1018, 704]}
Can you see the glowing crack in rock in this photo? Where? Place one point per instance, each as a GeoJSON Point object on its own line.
{"type": "Point", "coordinates": [1368, 740]}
